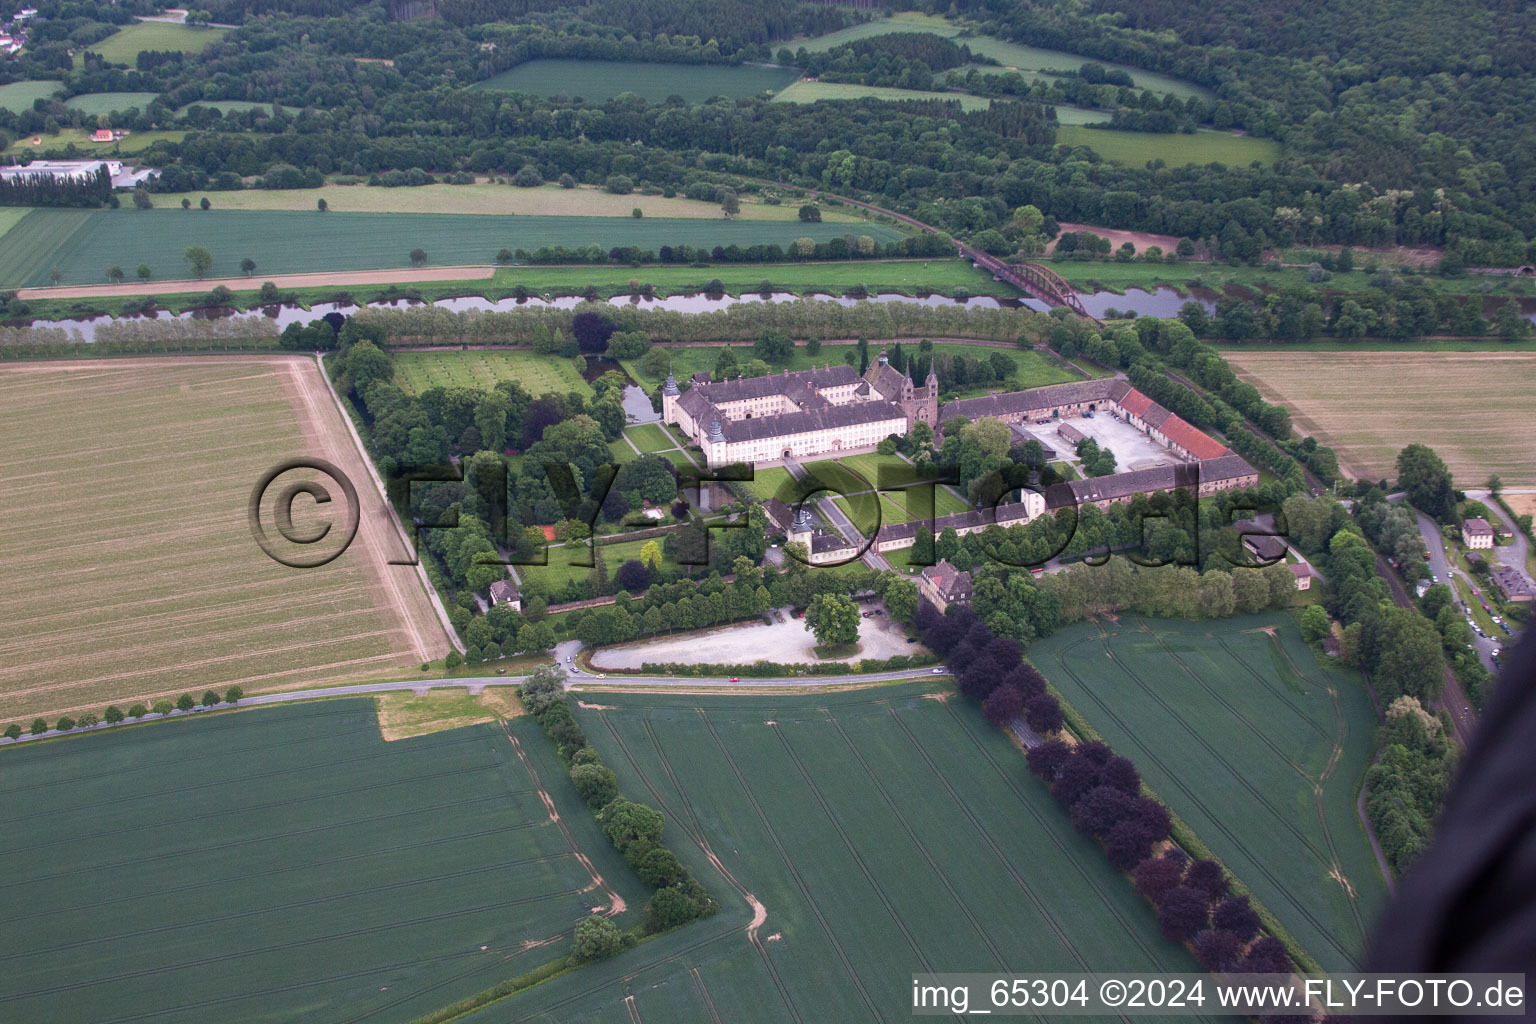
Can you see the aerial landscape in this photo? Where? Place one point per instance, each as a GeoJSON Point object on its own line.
{"type": "Point", "coordinates": [796, 511]}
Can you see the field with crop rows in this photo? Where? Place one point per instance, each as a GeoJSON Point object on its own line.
{"type": "Point", "coordinates": [415, 372]}
{"type": "Point", "coordinates": [298, 242]}
{"type": "Point", "coordinates": [19, 96]}
{"type": "Point", "coordinates": [287, 863]}
{"type": "Point", "coordinates": [1368, 404]}
{"type": "Point", "coordinates": [485, 197]}
{"type": "Point", "coordinates": [1174, 149]}
{"type": "Point", "coordinates": [131, 571]}
{"type": "Point", "coordinates": [599, 80]}
{"type": "Point", "coordinates": [1254, 744]}
{"type": "Point", "coordinates": [123, 46]}
{"type": "Point", "coordinates": [877, 832]}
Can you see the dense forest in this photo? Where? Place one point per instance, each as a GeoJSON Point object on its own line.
{"type": "Point", "coordinates": [1390, 137]}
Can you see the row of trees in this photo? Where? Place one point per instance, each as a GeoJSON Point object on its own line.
{"type": "Point", "coordinates": [1104, 794]}
{"type": "Point", "coordinates": [113, 714]}
{"type": "Point", "coordinates": [634, 829]}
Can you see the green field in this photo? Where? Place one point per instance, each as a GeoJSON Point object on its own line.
{"type": "Point", "coordinates": [288, 864]}
{"type": "Point", "coordinates": [19, 96]}
{"type": "Point", "coordinates": [1174, 149]}
{"type": "Point", "coordinates": [563, 564]}
{"type": "Point", "coordinates": [415, 372]}
{"type": "Point", "coordinates": [88, 147]}
{"type": "Point", "coordinates": [1254, 744]}
{"type": "Point", "coordinates": [96, 103]}
{"type": "Point", "coordinates": [881, 832]}
{"type": "Point", "coordinates": [811, 92]}
{"type": "Point", "coordinates": [123, 47]}
{"type": "Point", "coordinates": [295, 242]}
{"type": "Point", "coordinates": [1079, 115]}
{"type": "Point", "coordinates": [1012, 56]}
{"type": "Point", "coordinates": [599, 80]}
{"type": "Point", "coordinates": [233, 107]}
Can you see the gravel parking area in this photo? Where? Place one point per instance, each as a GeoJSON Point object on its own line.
{"type": "Point", "coordinates": [788, 642]}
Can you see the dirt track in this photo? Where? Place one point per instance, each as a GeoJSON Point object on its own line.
{"type": "Point", "coordinates": [331, 279]}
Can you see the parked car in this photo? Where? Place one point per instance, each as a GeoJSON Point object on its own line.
{"type": "Point", "coordinates": [911, 639]}
{"type": "Point", "coordinates": [938, 671]}
{"type": "Point", "coordinates": [735, 679]}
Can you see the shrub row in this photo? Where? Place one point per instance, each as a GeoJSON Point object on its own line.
{"type": "Point", "coordinates": [633, 828]}
{"type": "Point", "coordinates": [1106, 799]}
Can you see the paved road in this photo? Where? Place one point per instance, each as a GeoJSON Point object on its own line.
{"type": "Point", "coordinates": [1441, 565]}
{"type": "Point", "coordinates": [1513, 555]}
{"type": "Point", "coordinates": [475, 684]}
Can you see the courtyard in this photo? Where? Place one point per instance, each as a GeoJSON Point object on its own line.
{"type": "Point", "coordinates": [1132, 448]}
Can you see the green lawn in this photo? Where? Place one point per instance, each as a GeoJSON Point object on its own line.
{"type": "Point", "coordinates": [415, 372]}
{"type": "Point", "coordinates": [1174, 148]}
{"type": "Point", "coordinates": [19, 96]}
{"type": "Point", "coordinates": [293, 242]}
{"type": "Point", "coordinates": [95, 103]}
{"type": "Point", "coordinates": [123, 46]}
{"type": "Point", "coordinates": [1258, 747]}
{"type": "Point", "coordinates": [812, 805]}
{"type": "Point", "coordinates": [564, 561]}
{"type": "Point", "coordinates": [288, 864]}
{"type": "Point", "coordinates": [811, 92]}
{"type": "Point", "coordinates": [57, 145]}
{"type": "Point", "coordinates": [769, 482]}
{"type": "Point", "coordinates": [649, 437]}
{"type": "Point", "coordinates": [233, 107]}
{"type": "Point", "coordinates": [599, 80]}
{"type": "Point", "coordinates": [1012, 56]}
{"type": "Point", "coordinates": [621, 452]}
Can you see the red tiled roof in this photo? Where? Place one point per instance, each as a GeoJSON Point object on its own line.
{"type": "Point", "coordinates": [1198, 443]}
{"type": "Point", "coordinates": [1135, 403]}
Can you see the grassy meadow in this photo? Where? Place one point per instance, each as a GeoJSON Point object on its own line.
{"type": "Point", "coordinates": [599, 80]}
{"type": "Point", "coordinates": [802, 805]}
{"type": "Point", "coordinates": [98, 103]}
{"type": "Point", "coordinates": [295, 242]}
{"type": "Point", "coordinates": [811, 92]}
{"type": "Point", "coordinates": [1368, 404]}
{"type": "Point", "coordinates": [1012, 56]}
{"type": "Point", "coordinates": [124, 45]}
{"type": "Point", "coordinates": [19, 96]}
{"type": "Point", "coordinates": [485, 197]}
{"type": "Point", "coordinates": [127, 509]}
{"type": "Point", "coordinates": [1174, 148]}
{"type": "Point", "coordinates": [287, 863]}
{"type": "Point", "coordinates": [1258, 747]}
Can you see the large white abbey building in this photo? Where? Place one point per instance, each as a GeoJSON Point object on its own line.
{"type": "Point", "coordinates": [798, 415]}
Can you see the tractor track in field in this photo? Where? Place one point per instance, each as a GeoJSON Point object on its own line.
{"type": "Point", "coordinates": [1340, 737]}
{"type": "Point", "coordinates": [986, 837]}
{"type": "Point", "coordinates": [853, 851]}
{"type": "Point", "coordinates": [1221, 759]}
{"type": "Point", "coordinates": [1216, 821]}
{"type": "Point", "coordinates": [874, 778]}
{"type": "Point", "coordinates": [253, 807]}
{"type": "Point", "coordinates": [1259, 678]}
{"type": "Point", "coordinates": [296, 904]}
{"type": "Point", "coordinates": [1130, 930]}
{"type": "Point", "coordinates": [709, 1004]}
{"type": "Point", "coordinates": [616, 904]}
{"type": "Point", "coordinates": [348, 858]}
{"type": "Point", "coordinates": [800, 883]}
{"type": "Point", "coordinates": [288, 770]}
{"type": "Point", "coordinates": [689, 823]}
